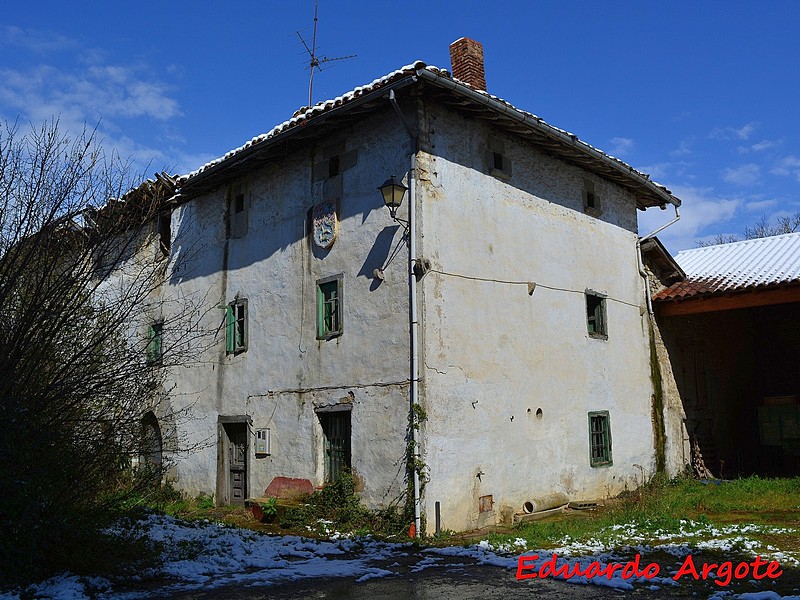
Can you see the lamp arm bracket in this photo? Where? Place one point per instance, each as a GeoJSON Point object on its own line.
{"type": "Point", "coordinates": [400, 114]}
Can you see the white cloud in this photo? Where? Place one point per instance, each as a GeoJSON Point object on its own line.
{"type": "Point", "coordinates": [759, 147]}
{"type": "Point", "coordinates": [94, 94]}
{"type": "Point", "coordinates": [747, 174]}
{"type": "Point", "coordinates": [620, 146]}
{"type": "Point", "coordinates": [685, 147]}
{"type": "Point", "coordinates": [702, 214]}
{"type": "Point", "coordinates": [734, 133]}
{"type": "Point", "coordinates": [789, 165]}
{"type": "Point", "coordinates": [85, 88]}
{"type": "Point", "coordinates": [765, 145]}
{"type": "Point", "coordinates": [760, 205]}
{"type": "Point", "coordinates": [39, 42]}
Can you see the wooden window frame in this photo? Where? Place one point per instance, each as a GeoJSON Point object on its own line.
{"type": "Point", "coordinates": [596, 315]}
{"type": "Point", "coordinates": [330, 324]}
{"type": "Point", "coordinates": [236, 327]}
{"type": "Point", "coordinates": [600, 439]}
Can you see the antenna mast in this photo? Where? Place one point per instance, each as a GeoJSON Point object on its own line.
{"type": "Point", "coordinates": [315, 62]}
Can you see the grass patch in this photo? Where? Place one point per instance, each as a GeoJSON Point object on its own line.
{"type": "Point", "coordinates": [664, 508]}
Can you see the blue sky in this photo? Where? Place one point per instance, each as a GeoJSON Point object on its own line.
{"type": "Point", "coordinates": [704, 96]}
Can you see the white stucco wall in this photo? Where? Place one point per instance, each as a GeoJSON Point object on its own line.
{"type": "Point", "coordinates": [493, 354]}
{"type": "Point", "coordinates": [286, 373]}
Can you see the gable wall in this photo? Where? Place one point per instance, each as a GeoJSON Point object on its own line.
{"type": "Point", "coordinates": [493, 354]}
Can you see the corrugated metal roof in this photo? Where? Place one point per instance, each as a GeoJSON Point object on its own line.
{"type": "Point", "coordinates": [737, 266]}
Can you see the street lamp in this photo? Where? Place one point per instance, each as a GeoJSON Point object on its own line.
{"type": "Point", "coordinates": [393, 191]}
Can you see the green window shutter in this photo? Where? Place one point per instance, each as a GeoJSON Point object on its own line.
{"type": "Point", "coordinates": [320, 312]}
{"type": "Point", "coordinates": [157, 336]}
{"type": "Point", "coordinates": [154, 341]}
{"type": "Point", "coordinates": [230, 326]}
{"type": "Point", "coordinates": [151, 336]}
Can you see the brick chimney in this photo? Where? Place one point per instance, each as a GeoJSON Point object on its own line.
{"type": "Point", "coordinates": [466, 58]}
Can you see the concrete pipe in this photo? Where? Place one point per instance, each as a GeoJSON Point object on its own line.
{"type": "Point", "coordinates": [545, 502]}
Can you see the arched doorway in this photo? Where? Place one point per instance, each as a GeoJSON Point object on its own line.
{"type": "Point", "coordinates": [151, 444]}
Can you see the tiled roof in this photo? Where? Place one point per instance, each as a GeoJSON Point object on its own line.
{"type": "Point", "coordinates": [305, 113]}
{"type": "Point", "coordinates": [739, 266]}
{"type": "Point", "coordinates": [417, 69]}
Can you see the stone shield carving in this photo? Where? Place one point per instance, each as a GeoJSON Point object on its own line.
{"type": "Point", "coordinates": [326, 225]}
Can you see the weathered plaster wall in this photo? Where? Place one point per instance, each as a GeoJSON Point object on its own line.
{"type": "Point", "coordinates": [286, 373]}
{"type": "Point", "coordinates": [677, 443]}
{"type": "Point", "coordinates": [494, 355]}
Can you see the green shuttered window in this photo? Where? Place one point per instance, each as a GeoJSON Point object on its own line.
{"type": "Point", "coordinates": [236, 327]}
{"type": "Point", "coordinates": [155, 338]}
{"type": "Point", "coordinates": [596, 315]}
{"type": "Point", "coordinates": [600, 439]}
{"type": "Point", "coordinates": [329, 307]}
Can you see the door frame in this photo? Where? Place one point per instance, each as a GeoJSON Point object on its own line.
{"type": "Point", "coordinates": [223, 496]}
{"type": "Point", "coordinates": [322, 415]}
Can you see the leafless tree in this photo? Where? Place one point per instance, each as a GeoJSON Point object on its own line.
{"type": "Point", "coordinates": [760, 229]}
{"type": "Point", "coordinates": [81, 377]}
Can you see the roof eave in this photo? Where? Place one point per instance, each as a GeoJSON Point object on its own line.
{"type": "Point", "coordinates": [206, 178]}
{"type": "Point", "coordinates": [660, 196]}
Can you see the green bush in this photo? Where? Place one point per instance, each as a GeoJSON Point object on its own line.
{"type": "Point", "coordinates": [337, 502]}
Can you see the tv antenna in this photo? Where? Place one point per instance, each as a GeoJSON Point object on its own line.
{"type": "Point", "coordinates": [315, 61]}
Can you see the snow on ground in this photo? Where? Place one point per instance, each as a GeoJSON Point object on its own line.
{"type": "Point", "coordinates": [204, 554]}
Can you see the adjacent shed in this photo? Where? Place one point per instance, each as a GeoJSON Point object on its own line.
{"type": "Point", "coordinates": [732, 332]}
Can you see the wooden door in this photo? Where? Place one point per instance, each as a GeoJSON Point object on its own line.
{"type": "Point", "coordinates": [237, 461]}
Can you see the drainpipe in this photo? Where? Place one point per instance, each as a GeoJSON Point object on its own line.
{"type": "Point", "coordinates": [412, 316]}
{"type": "Point", "coordinates": [412, 284]}
{"type": "Point", "coordinates": [640, 260]}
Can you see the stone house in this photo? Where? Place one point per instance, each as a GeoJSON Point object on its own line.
{"type": "Point", "coordinates": [506, 303]}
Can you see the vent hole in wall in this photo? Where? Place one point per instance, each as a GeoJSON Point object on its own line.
{"type": "Point", "coordinates": [539, 413]}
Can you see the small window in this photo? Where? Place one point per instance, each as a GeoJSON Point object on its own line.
{"type": "Point", "coordinates": [164, 232]}
{"type": "Point", "coordinates": [500, 165]}
{"type": "Point", "coordinates": [600, 439]}
{"type": "Point", "coordinates": [238, 204]}
{"type": "Point", "coordinates": [239, 209]}
{"type": "Point", "coordinates": [596, 315]}
{"type": "Point", "coordinates": [591, 202]}
{"type": "Point", "coordinates": [498, 161]}
{"type": "Point", "coordinates": [236, 327]}
{"type": "Point", "coordinates": [155, 339]}
{"type": "Point", "coordinates": [333, 166]}
{"type": "Point", "coordinates": [329, 307]}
